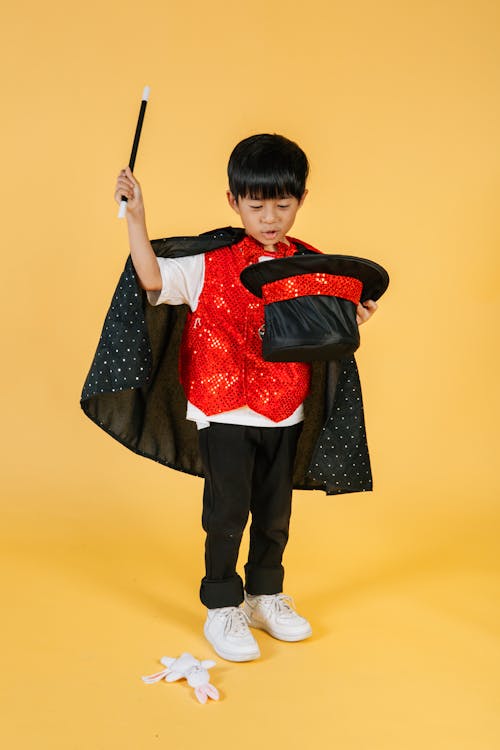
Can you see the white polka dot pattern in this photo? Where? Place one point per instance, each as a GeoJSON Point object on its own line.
{"type": "Point", "coordinates": [341, 462]}
{"type": "Point", "coordinates": [132, 390]}
{"type": "Point", "coordinates": [123, 356]}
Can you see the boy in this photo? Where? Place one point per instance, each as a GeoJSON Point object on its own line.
{"type": "Point", "coordinates": [248, 412]}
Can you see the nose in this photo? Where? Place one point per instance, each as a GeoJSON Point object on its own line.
{"type": "Point", "coordinates": [268, 214]}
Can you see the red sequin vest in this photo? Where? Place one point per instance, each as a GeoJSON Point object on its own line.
{"type": "Point", "coordinates": [221, 365]}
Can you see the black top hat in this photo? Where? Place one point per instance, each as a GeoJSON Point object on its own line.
{"type": "Point", "coordinates": [310, 303]}
{"type": "Point", "coordinates": [374, 278]}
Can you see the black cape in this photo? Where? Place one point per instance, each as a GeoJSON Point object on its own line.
{"type": "Point", "coordinates": [133, 392]}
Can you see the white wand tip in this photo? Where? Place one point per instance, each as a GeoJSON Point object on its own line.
{"type": "Point", "coordinates": [145, 93]}
{"type": "Point", "coordinates": [123, 209]}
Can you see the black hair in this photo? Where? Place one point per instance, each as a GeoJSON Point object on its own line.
{"type": "Point", "coordinates": [267, 166]}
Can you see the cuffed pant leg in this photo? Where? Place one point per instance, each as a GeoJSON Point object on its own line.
{"type": "Point", "coordinates": [271, 505]}
{"type": "Point", "coordinates": [228, 460]}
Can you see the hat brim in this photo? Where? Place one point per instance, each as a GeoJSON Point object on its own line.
{"type": "Point", "coordinates": [374, 277]}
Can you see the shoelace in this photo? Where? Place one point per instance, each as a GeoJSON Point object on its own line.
{"type": "Point", "coordinates": [236, 620]}
{"type": "Point", "coordinates": [282, 604]}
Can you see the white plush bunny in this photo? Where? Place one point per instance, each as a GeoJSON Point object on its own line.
{"type": "Point", "coordinates": [195, 672]}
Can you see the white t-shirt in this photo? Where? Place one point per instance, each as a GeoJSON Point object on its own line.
{"type": "Point", "coordinates": [182, 283]}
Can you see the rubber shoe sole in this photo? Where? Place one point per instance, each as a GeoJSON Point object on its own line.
{"type": "Point", "coordinates": [228, 655]}
{"type": "Point", "coordinates": [280, 635]}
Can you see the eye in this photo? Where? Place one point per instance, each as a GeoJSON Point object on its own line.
{"type": "Point", "coordinates": [283, 206]}
{"type": "Point", "coordinates": [255, 208]}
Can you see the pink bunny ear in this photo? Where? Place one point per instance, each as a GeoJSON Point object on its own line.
{"type": "Point", "coordinates": [212, 691]}
{"type": "Point", "coordinates": [201, 694]}
{"type": "Point", "coordinates": [150, 679]}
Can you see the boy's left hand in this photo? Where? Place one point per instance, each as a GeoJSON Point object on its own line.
{"type": "Point", "coordinates": [365, 311]}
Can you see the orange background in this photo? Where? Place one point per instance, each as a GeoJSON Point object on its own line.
{"type": "Point", "coordinates": [396, 105]}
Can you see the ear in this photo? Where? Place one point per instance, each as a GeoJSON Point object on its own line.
{"type": "Point", "coordinates": [303, 197]}
{"type": "Point", "coordinates": [151, 678]}
{"type": "Point", "coordinates": [212, 691]}
{"type": "Point", "coordinates": [232, 201]}
{"type": "Point", "coordinates": [200, 694]}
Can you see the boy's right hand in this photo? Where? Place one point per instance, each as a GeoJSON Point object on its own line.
{"type": "Point", "coordinates": [127, 186]}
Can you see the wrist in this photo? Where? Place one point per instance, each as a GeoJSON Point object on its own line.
{"type": "Point", "coordinates": [136, 218]}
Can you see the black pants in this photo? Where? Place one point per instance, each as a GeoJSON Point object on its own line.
{"type": "Point", "coordinates": [247, 469]}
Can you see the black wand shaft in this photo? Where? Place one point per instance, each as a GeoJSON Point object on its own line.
{"type": "Point", "coordinates": [135, 145]}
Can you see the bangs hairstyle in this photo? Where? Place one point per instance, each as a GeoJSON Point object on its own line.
{"type": "Point", "coordinates": [267, 166]}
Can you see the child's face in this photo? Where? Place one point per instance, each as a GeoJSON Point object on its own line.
{"type": "Point", "coordinates": [268, 220]}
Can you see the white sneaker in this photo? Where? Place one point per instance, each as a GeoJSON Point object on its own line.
{"type": "Point", "coordinates": [275, 614]}
{"type": "Point", "coordinates": [226, 629]}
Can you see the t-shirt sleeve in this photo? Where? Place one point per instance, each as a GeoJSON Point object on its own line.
{"type": "Point", "coordinates": [182, 281]}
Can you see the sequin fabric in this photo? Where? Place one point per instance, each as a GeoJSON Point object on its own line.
{"type": "Point", "coordinates": [313, 284]}
{"type": "Point", "coordinates": [221, 365]}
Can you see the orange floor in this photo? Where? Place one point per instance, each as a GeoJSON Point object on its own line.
{"type": "Point", "coordinates": [403, 596]}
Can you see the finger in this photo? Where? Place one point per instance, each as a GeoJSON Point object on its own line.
{"type": "Point", "coordinates": [125, 190]}
{"type": "Point", "coordinates": [124, 183]}
{"type": "Point", "coordinates": [130, 175]}
{"type": "Point", "coordinates": [361, 310]}
{"type": "Point", "coordinates": [123, 193]}
{"type": "Point", "coordinates": [362, 314]}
